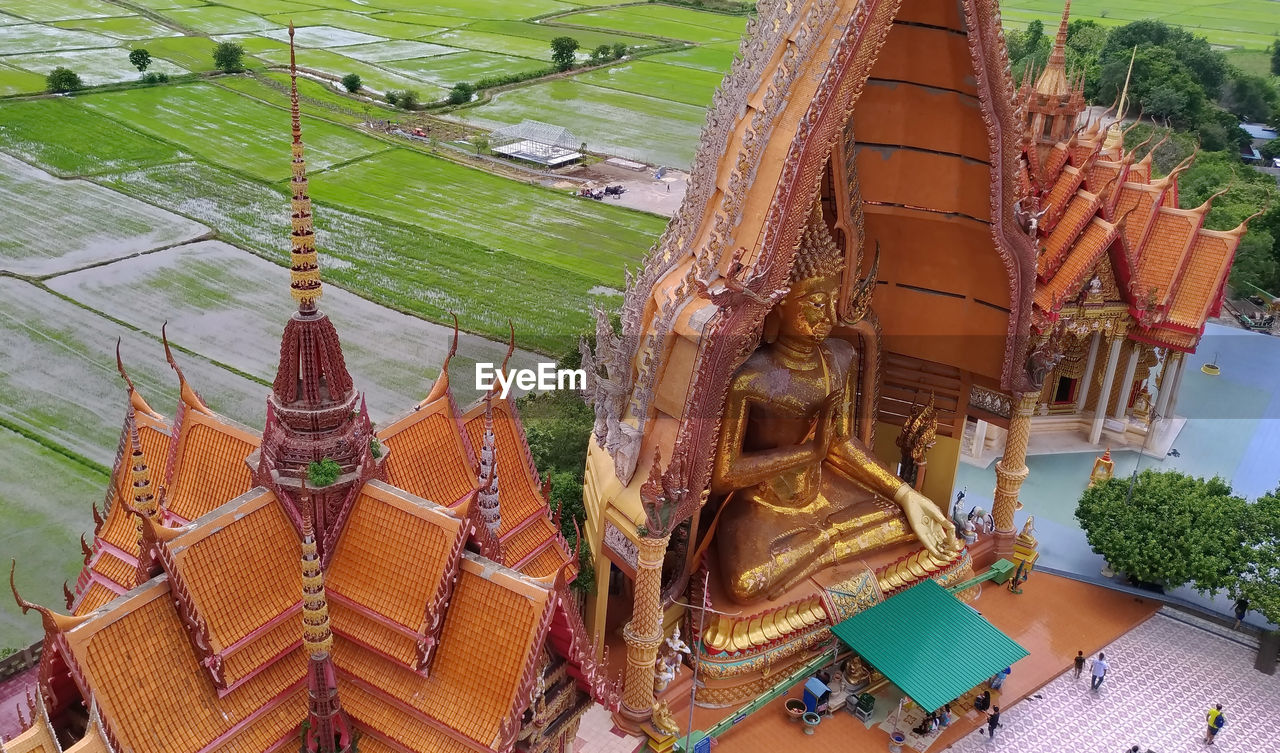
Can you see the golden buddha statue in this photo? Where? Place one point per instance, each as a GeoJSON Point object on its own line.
{"type": "Point", "coordinates": [803, 492]}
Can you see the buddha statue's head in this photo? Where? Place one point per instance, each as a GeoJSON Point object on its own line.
{"type": "Point", "coordinates": [810, 309]}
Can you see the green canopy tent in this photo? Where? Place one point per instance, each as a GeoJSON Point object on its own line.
{"type": "Point", "coordinates": [930, 644]}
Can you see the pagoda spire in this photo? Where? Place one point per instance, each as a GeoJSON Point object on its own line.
{"type": "Point", "coordinates": [490, 510]}
{"type": "Point", "coordinates": [327, 730]}
{"type": "Point", "coordinates": [314, 412]}
{"type": "Point", "coordinates": [1053, 80]}
{"type": "Point", "coordinates": [304, 269]}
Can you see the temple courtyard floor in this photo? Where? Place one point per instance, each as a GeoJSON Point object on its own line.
{"type": "Point", "coordinates": [1166, 668]}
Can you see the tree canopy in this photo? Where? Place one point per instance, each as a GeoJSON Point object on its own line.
{"type": "Point", "coordinates": [1260, 582]}
{"type": "Point", "coordinates": [352, 82]}
{"type": "Point", "coordinates": [1175, 530]}
{"type": "Point", "coordinates": [61, 80]}
{"type": "Point", "coordinates": [140, 59]}
{"type": "Point", "coordinates": [228, 57]}
{"type": "Point", "coordinates": [563, 50]}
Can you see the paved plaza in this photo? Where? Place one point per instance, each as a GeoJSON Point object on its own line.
{"type": "Point", "coordinates": [1164, 674]}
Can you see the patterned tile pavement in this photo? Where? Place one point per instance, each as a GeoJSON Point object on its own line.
{"type": "Point", "coordinates": [1164, 675]}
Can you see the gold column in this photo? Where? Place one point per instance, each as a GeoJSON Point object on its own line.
{"type": "Point", "coordinates": [643, 635]}
{"type": "Point", "coordinates": [1011, 471]}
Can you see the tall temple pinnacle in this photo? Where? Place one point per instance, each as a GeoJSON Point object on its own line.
{"type": "Point", "coordinates": [315, 415]}
{"type": "Point", "coordinates": [304, 270]}
{"type": "Point", "coordinates": [1053, 80]}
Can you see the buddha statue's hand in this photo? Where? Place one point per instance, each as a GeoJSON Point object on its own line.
{"type": "Point", "coordinates": [826, 430]}
{"type": "Point", "coordinates": [936, 533]}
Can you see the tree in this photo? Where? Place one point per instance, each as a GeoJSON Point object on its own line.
{"type": "Point", "coordinates": [391, 96]}
{"type": "Point", "coordinates": [1173, 529]}
{"type": "Point", "coordinates": [405, 99]}
{"type": "Point", "coordinates": [1250, 97]}
{"type": "Point", "coordinates": [1260, 581]}
{"type": "Point", "coordinates": [619, 50]}
{"type": "Point", "coordinates": [602, 54]}
{"type": "Point", "coordinates": [323, 473]}
{"type": "Point", "coordinates": [481, 142]}
{"type": "Point", "coordinates": [1207, 66]}
{"type": "Point", "coordinates": [1271, 149]}
{"type": "Point", "coordinates": [1275, 58]}
{"type": "Point", "coordinates": [228, 57]}
{"type": "Point", "coordinates": [461, 93]}
{"type": "Point", "coordinates": [352, 82]}
{"type": "Point", "coordinates": [140, 59]}
{"type": "Point", "coordinates": [563, 50]}
{"type": "Point", "coordinates": [62, 79]}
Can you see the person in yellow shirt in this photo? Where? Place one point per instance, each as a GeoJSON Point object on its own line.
{"type": "Point", "coordinates": [1215, 719]}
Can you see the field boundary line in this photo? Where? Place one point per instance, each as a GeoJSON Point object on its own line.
{"type": "Point", "coordinates": [156, 338]}
{"type": "Point", "coordinates": [54, 447]}
{"type": "Point", "coordinates": [209, 235]}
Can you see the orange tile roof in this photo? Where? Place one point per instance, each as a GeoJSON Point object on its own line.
{"type": "Point", "coordinates": [35, 739]}
{"type": "Point", "coordinates": [241, 569]}
{"type": "Point", "coordinates": [141, 666]}
{"type": "Point", "coordinates": [111, 567]}
{"type": "Point", "coordinates": [1100, 174]}
{"type": "Point", "coordinates": [350, 623]}
{"type": "Point", "coordinates": [95, 596]}
{"type": "Point", "coordinates": [486, 595]}
{"type": "Point", "coordinates": [278, 724]}
{"type": "Point", "coordinates": [1082, 207]}
{"type": "Point", "coordinates": [1202, 281]}
{"type": "Point", "coordinates": [523, 542]}
{"type": "Point", "coordinates": [1085, 254]}
{"type": "Point", "coordinates": [1056, 200]}
{"type": "Point", "coordinates": [1135, 203]}
{"type": "Point", "coordinates": [369, 743]}
{"type": "Point", "coordinates": [367, 710]}
{"type": "Point", "coordinates": [427, 457]}
{"type": "Point", "coordinates": [394, 552]}
{"type": "Point", "coordinates": [547, 562]}
{"type": "Point", "coordinates": [240, 662]}
{"type": "Point", "coordinates": [121, 531]}
{"type": "Point", "coordinates": [1160, 257]}
{"type": "Point", "coordinates": [209, 469]}
{"type": "Point", "coordinates": [1054, 161]}
{"type": "Point", "coordinates": [92, 742]}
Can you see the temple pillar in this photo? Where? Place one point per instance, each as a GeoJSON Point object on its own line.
{"type": "Point", "coordinates": [979, 439]}
{"type": "Point", "coordinates": [1126, 386]}
{"type": "Point", "coordinates": [1090, 362]}
{"type": "Point", "coordinates": [1164, 385]}
{"type": "Point", "coordinates": [643, 634]}
{"type": "Point", "coordinates": [1011, 471]}
{"type": "Point", "coordinates": [1179, 370]}
{"type": "Point", "coordinates": [1104, 397]}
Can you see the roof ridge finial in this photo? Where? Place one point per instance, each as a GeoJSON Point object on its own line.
{"type": "Point", "coordinates": [52, 621]}
{"type": "Point", "coordinates": [315, 607]}
{"type": "Point", "coordinates": [185, 391]}
{"type": "Point", "coordinates": [441, 386]}
{"type": "Point", "coordinates": [304, 268]}
{"type": "Point", "coordinates": [136, 401]}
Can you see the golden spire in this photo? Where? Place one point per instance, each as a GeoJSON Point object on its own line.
{"type": "Point", "coordinates": [1053, 80]}
{"type": "Point", "coordinates": [316, 636]}
{"type": "Point", "coordinates": [304, 273]}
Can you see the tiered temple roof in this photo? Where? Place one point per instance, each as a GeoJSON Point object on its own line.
{"type": "Point", "coordinates": [1104, 216]}
{"type": "Point", "coordinates": [187, 627]}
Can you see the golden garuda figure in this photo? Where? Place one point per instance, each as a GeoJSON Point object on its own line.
{"type": "Point", "coordinates": [801, 492]}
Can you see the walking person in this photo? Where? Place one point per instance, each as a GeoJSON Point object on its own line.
{"type": "Point", "coordinates": [1098, 671]}
{"type": "Point", "coordinates": [1079, 663]}
{"type": "Point", "coordinates": [1215, 720]}
{"type": "Point", "coordinates": [993, 721]}
{"type": "Point", "coordinates": [1242, 608]}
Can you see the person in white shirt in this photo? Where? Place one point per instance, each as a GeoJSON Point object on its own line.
{"type": "Point", "coordinates": [1099, 671]}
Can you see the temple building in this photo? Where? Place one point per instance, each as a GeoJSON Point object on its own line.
{"type": "Point", "coordinates": [847, 269]}
{"type": "Point", "coordinates": [1125, 279]}
{"type": "Point", "coordinates": [318, 585]}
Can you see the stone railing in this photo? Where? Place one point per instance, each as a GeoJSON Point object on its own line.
{"type": "Point", "coordinates": [20, 661]}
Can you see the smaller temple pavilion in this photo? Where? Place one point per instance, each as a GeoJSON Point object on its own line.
{"type": "Point", "coordinates": [318, 586]}
{"type": "Point", "coordinates": [1125, 278]}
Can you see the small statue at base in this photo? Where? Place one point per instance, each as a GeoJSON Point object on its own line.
{"type": "Point", "coordinates": [663, 721]}
{"type": "Point", "coordinates": [667, 667]}
{"type": "Point", "coordinates": [1027, 537]}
